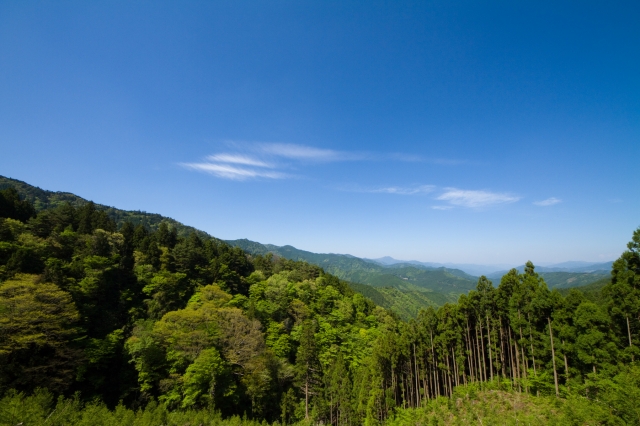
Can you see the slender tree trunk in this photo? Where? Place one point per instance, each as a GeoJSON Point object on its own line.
{"type": "Point", "coordinates": [502, 357]}
{"type": "Point", "coordinates": [470, 358]}
{"type": "Point", "coordinates": [481, 371]}
{"type": "Point", "coordinates": [415, 361]}
{"type": "Point", "coordinates": [455, 366]}
{"type": "Point", "coordinates": [566, 364]}
{"type": "Point", "coordinates": [553, 357]}
{"type": "Point", "coordinates": [435, 365]}
{"type": "Point", "coordinates": [425, 382]}
{"type": "Point", "coordinates": [484, 354]}
{"type": "Point", "coordinates": [490, 353]}
{"type": "Point", "coordinates": [525, 364]}
{"type": "Point", "coordinates": [481, 355]}
{"type": "Point", "coordinates": [517, 362]}
{"type": "Point", "coordinates": [511, 365]}
{"type": "Point", "coordinates": [306, 398]}
{"type": "Point", "coordinates": [402, 388]}
{"type": "Point", "coordinates": [393, 385]}
{"type": "Point", "coordinates": [531, 342]}
{"type": "Point", "coordinates": [629, 333]}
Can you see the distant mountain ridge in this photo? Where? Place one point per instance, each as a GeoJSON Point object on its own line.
{"type": "Point", "coordinates": [571, 267]}
{"type": "Point", "coordinates": [497, 271]}
{"type": "Point", "coordinates": [401, 276]}
{"type": "Point", "coordinates": [469, 268]}
{"type": "Point", "coordinates": [402, 286]}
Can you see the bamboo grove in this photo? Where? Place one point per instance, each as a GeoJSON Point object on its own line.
{"type": "Point", "coordinates": [133, 319]}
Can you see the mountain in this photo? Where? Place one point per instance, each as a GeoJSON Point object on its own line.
{"type": "Point", "coordinates": [469, 268]}
{"type": "Point", "coordinates": [569, 267]}
{"type": "Point", "coordinates": [404, 277]}
{"type": "Point", "coordinates": [407, 286]}
{"type": "Point", "coordinates": [402, 286]}
{"type": "Point", "coordinates": [43, 199]}
{"type": "Point", "coordinates": [573, 279]}
{"type": "Point", "coordinates": [406, 290]}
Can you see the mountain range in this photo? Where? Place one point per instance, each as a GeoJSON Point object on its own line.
{"type": "Point", "coordinates": [402, 286]}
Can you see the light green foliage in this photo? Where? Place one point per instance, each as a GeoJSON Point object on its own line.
{"type": "Point", "coordinates": [38, 322]}
{"type": "Point", "coordinates": [201, 377]}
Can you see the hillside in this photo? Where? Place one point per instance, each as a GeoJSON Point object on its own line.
{"type": "Point", "coordinates": [403, 288]}
{"type": "Point", "coordinates": [572, 279]}
{"type": "Point", "coordinates": [405, 300]}
{"type": "Point", "coordinates": [405, 303]}
{"type": "Point", "coordinates": [43, 200]}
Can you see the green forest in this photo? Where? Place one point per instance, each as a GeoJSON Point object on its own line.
{"type": "Point", "coordinates": [106, 320]}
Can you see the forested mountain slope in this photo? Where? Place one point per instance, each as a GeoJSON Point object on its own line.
{"type": "Point", "coordinates": [449, 283]}
{"type": "Point", "coordinates": [147, 327]}
{"type": "Point", "coordinates": [402, 286]}
{"type": "Point", "coordinates": [43, 200]}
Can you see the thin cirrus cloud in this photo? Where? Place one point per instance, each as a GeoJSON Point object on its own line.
{"type": "Point", "coordinates": [473, 198]}
{"type": "Point", "coordinates": [302, 152]}
{"type": "Point", "coordinates": [261, 161]}
{"type": "Point", "coordinates": [548, 202]}
{"type": "Point", "coordinates": [271, 160]}
{"type": "Point", "coordinates": [233, 172]}
{"type": "Point", "coordinates": [422, 189]}
{"type": "Point", "coordinates": [237, 159]}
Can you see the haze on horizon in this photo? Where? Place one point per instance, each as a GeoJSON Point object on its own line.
{"type": "Point", "coordinates": [455, 132]}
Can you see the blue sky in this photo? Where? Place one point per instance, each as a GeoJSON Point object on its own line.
{"type": "Point", "coordinates": [479, 132]}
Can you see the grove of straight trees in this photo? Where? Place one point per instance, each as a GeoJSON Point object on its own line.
{"type": "Point", "coordinates": [119, 317]}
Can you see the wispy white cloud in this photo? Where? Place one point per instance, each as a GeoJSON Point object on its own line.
{"type": "Point", "coordinates": [238, 159]}
{"type": "Point", "coordinates": [422, 189]}
{"type": "Point", "coordinates": [442, 207]}
{"type": "Point", "coordinates": [243, 161]}
{"type": "Point", "coordinates": [302, 152]}
{"type": "Point", "coordinates": [228, 171]}
{"type": "Point", "coordinates": [548, 202]}
{"type": "Point", "coordinates": [475, 199]}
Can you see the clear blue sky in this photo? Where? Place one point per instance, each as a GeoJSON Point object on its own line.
{"type": "Point", "coordinates": [480, 132]}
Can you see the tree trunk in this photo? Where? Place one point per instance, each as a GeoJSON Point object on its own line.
{"type": "Point", "coordinates": [435, 365]}
{"type": "Point", "coordinates": [484, 354]}
{"type": "Point", "coordinates": [455, 367]}
{"type": "Point", "coordinates": [446, 358]}
{"type": "Point", "coordinates": [470, 352]}
{"type": "Point", "coordinates": [480, 346]}
{"type": "Point", "coordinates": [415, 361]}
{"type": "Point", "coordinates": [525, 364]}
{"type": "Point", "coordinates": [566, 364]}
{"type": "Point", "coordinates": [490, 353]}
{"type": "Point", "coordinates": [511, 365]}
{"type": "Point", "coordinates": [553, 357]}
{"type": "Point", "coordinates": [502, 357]}
{"type": "Point", "coordinates": [517, 362]}
{"type": "Point", "coordinates": [629, 333]}
{"type": "Point", "coordinates": [393, 385]}
{"type": "Point", "coordinates": [531, 342]}
{"type": "Point", "coordinates": [306, 398]}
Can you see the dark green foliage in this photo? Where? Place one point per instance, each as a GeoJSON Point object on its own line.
{"type": "Point", "coordinates": [44, 200]}
{"type": "Point", "coordinates": [11, 206]}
